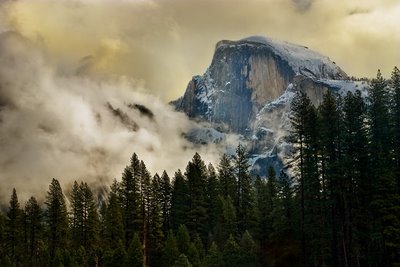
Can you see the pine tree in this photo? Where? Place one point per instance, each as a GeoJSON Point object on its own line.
{"type": "Point", "coordinates": [304, 137]}
{"type": "Point", "coordinates": [85, 220]}
{"type": "Point", "coordinates": [76, 201]}
{"type": "Point", "coordinates": [113, 221]}
{"type": "Point", "coordinates": [393, 232]}
{"type": "Point", "coordinates": [166, 192]}
{"type": "Point", "coordinates": [395, 86]}
{"type": "Point", "coordinates": [197, 217]}
{"type": "Point", "coordinates": [179, 200]}
{"type": "Point", "coordinates": [356, 177]}
{"type": "Point", "coordinates": [211, 192]}
{"type": "Point", "coordinates": [145, 205]}
{"type": "Point", "coordinates": [383, 199]}
{"type": "Point", "coordinates": [56, 218]}
{"type": "Point", "coordinates": [332, 182]}
{"type": "Point", "coordinates": [156, 234]}
{"type": "Point", "coordinates": [130, 199]}
{"type": "Point", "coordinates": [244, 192]}
{"type": "Point", "coordinates": [90, 219]}
{"type": "Point", "coordinates": [226, 177]}
{"type": "Point", "coordinates": [14, 230]}
{"type": "Point", "coordinates": [34, 224]}
{"type": "Point", "coordinates": [313, 224]}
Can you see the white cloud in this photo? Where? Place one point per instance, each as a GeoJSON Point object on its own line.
{"type": "Point", "coordinates": [60, 125]}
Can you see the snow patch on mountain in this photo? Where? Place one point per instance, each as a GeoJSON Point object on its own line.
{"type": "Point", "coordinates": [343, 87]}
{"type": "Point", "coordinates": [303, 60]}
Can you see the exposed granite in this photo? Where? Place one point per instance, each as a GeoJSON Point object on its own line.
{"type": "Point", "coordinates": [245, 75]}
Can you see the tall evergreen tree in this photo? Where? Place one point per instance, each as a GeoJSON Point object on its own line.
{"type": "Point", "coordinates": [179, 200]}
{"type": "Point", "coordinates": [244, 192]}
{"type": "Point", "coordinates": [76, 202]}
{"type": "Point", "coordinates": [304, 137]}
{"type": "Point", "coordinates": [211, 191]}
{"type": "Point", "coordinates": [226, 177]}
{"type": "Point", "coordinates": [14, 230]}
{"type": "Point", "coordinates": [383, 199]}
{"type": "Point", "coordinates": [393, 232]}
{"type": "Point", "coordinates": [85, 220]}
{"type": "Point", "coordinates": [90, 219]}
{"type": "Point", "coordinates": [357, 182]}
{"type": "Point", "coordinates": [130, 199]}
{"type": "Point", "coordinates": [145, 205]}
{"type": "Point", "coordinates": [166, 191]}
{"type": "Point", "coordinates": [113, 221]}
{"type": "Point", "coordinates": [56, 218]}
{"type": "Point", "coordinates": [332, 198]}
{"type": "Point", "coordinates": [33, 217]}
{"type": "Point", "coordinates": [197, 216]}
{"type": "Point", "coordinates": [395, 121]}
{"type": "Point", "coordinates": [156, 234]}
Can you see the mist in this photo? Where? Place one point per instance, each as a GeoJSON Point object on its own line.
{"type": "Point", "coordinates": [64, 125]}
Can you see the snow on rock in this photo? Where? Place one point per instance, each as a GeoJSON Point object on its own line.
{"type": "Point", "coordinates": [344, 86]}
{"type": "Point", "coordinates": [303, 60]}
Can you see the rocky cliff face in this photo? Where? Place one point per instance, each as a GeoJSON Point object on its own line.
{"type": "Point", "coordinates": [246, 74]}
{"type": "Point", "coordinates": [248, 88]}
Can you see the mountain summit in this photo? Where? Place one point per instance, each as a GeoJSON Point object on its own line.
{"type": "Point", "coordinates": [249, 85]}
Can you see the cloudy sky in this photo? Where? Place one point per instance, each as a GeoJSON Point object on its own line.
{"type": "Point", "coordinates": [162, 43]}
{"type": "Point", "coordinates": [71, 71]}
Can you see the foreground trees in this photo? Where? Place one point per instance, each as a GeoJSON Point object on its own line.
{"type": "Point", "coordinates": [338, 205]}
{"type": "Point", "coordinates": [346, 160]}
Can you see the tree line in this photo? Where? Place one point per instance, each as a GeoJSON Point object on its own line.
{"type": "Point", "coordinates": [204, 217]}
{"type": "Point", "coordinates": [347, 164]}
{"type": "Point", "coordinates": [335, 204]}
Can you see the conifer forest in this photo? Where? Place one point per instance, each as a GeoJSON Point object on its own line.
{"type": "Point", "coordinates": [336, 202]}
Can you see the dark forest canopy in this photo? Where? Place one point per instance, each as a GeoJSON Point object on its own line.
{"type": "Point", "coordinates": [338, 205]}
